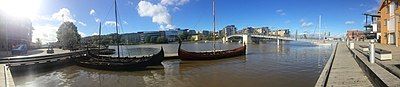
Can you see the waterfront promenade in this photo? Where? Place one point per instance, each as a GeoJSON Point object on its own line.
{"type": "Point", "coordinates": [352, 68]}
{"type": "Point", "coordinates": [6, 79]}
{"type": "Point", "coordinates": [343, 71]}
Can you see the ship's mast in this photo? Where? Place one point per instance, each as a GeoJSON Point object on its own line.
{"type": "Point", "coordinates": [116, 25]}
{"type": "Point", "coordinates": [214, 25]}
{"type": "Point", "coordinates": [319, 28]}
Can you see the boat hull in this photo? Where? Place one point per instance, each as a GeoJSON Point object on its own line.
{"type": "Point", "coordinates": [123, 63]}
{"type": "Point", "coordinates": [186, 55]}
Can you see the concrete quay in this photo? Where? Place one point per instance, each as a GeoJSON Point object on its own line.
{"type": "Point", "coordinates": [383, 72]}
{"type": "Point", "coordinates": [351, 68]}
{"type": "Point", "coordinates": [342, 70]}
{"type": "Point", "coordinates": [6, 79]}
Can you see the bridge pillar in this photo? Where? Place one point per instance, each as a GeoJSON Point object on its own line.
{"type": "Point", "coordinates": [246, 39]}
{"type": "Point", "coordinates": [224, 39]}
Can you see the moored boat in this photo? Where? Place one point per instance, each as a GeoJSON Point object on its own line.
{"type": "Point", "coordinates": [96, 61]}
{"type": "Point", "coordinates": [208, 55]}
{"type": "Point", "coordinates": [213, 54]}
{"type": "Point", "coordinates": [120, 63]}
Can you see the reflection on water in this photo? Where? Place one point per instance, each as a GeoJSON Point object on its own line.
{"type": "Point", "coordinates": [290, 64]}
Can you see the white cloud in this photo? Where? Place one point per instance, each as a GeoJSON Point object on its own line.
{"type": "Point", "coordinates": [158, 12]}
{"type": "Point", "coordinates": [306, 24]}
{"type": "Point", "coordinates": [81, 23]}
{"type": "Point", "coordinates": [92, 12]}
{"type": "Point", "coordinates": [167, 27]}
{"type": "Point", "coordinates": [82, 34]}
{"type": "Point", "coordinates": [174, 2]}
{"type": "Point", "coordinates": [110, 23]}
{"type": "Point", "coordinates": [95, 34]}
{"type": "Point", "coordinates": [63, 15]}
{"type": "Point", "coordinates": [176, 9]}
{"type": "Point", "coordinates": [97, 20]}
{"type": "Point", "coordinates": [349, 22]}
{"type": "Point", "coordinates": [280, 12]}
{"type": "Point", "coordinates": [46, 33]}
{"type": "Point", "coordinates": [124, 22]}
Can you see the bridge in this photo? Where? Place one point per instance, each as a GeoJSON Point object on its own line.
{"type": "Point", "coordinates": [247, 38]}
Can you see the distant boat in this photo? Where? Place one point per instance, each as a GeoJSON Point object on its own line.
{"type": "Point", "coordinates": [213, 54]}
{"type": "Point", "coordinates": [96, 61]}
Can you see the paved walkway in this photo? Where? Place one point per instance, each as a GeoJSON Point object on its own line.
{"type": "Point", "coordinates": [34, 52]}
{"type": "Point", "coordinates": [6, 79]}
{"type": "Point", "coordinates": [345, 71]}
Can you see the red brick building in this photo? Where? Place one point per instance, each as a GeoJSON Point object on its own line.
{"type": "Point", "coordinates": [355, 34]}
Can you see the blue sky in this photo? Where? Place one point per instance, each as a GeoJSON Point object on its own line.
{"type": "Point", "coordinates": [153, 15]}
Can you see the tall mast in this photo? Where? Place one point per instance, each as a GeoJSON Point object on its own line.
{"type": "Point", "coordinates": [319, 28]}
{"type": "Point", "coordinates": [98, 42]}
{"type": "Point", "coordinates": [214, 24]}
{"type": "Point", "coordinates": [116, 25]}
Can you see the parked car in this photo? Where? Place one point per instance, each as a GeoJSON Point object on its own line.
{"type": "Point", "coordinates": [19, 49]}
{"type": "Point", "coordinates": [50, 49]}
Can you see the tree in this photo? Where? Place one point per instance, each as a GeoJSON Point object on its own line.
{"type": "Point", "coordinates": [38, 41]}
{"type": "Point", "coordinates": [184, 35]}
{"type": "Point", "coordinates": [147, 39]}
{"type": "Point", "coordinates": [162, 39]}
{"type": "Point", "coordinates": [68, 36]}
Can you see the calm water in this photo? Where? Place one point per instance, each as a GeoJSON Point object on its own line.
{"type": "Point", "coordinates": [293, 64]}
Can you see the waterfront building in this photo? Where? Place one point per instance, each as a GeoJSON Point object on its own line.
{"type": "Point", "coordinates": [262, 31]}
{"type": "Point", "coordinates": [228, 30]}
{"type": "Point", "coordinates": [248, 30]}
{"type": "Point", "coordinates": [372, 29]}
{"type": "Point", "coordinates": [255, 31]}
{"type": "Point", "coordinates": [389, 11]}
{"type": "Point", "coordinates": [197, 37]}
{"type": "Point", "coordinates": [281, 32]}
{"type": "Point", "coordinates": [130, 38]}
{"type": "Point", "coordinates": [171, 35]}
{"type": "Point", "coordinates": [205, 32]}
{"type": "Point", "coordinates": [14, 31]}
{"type": "Point", "coordinates": [355, 34]}
{"type": "Point", "coordinates": [192, 32]}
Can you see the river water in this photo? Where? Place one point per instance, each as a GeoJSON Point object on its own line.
{"type": "Point", "coordinates": [291, 64]}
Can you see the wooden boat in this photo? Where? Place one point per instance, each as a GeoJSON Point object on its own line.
{"type": "Point", "coordinates": [96, 61]}
{"type": "Point", "coordinates": [209, 55]}
{"type": "Point", "coordinates": [213, 54]}
{"type": "Point", "coordinates": [103, 51]}
{"type": "Point", "coordinates": [120, 63]}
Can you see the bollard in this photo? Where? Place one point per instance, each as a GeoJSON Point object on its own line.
{"type": "Point", "coordinates": [351, 45]}
{"type": "Point", "coordinates": [372, 51]}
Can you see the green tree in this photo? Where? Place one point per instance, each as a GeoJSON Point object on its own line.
{"type": "Point", "coordinates": [147, 39]}
{"type": "Point", "coordinates": [68, 36]}
{"type": "Point", "coordinates": [162, 40]}
{"type": "Point", "coordinates": [184, 36]}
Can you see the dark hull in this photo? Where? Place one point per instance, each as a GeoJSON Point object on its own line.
{"type": "Point", "coordinates": [123, 63]}
{"type": "Point", "coordinates": [186, 55]}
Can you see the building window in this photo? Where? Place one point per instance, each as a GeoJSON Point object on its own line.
{"type": "Point", "coordinates": [384, 22]}
{"type": "Point", "coordinates": [387, 9]}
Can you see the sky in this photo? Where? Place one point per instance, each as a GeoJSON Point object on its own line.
{"type": "Point", "coordinates": [338, 16]}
